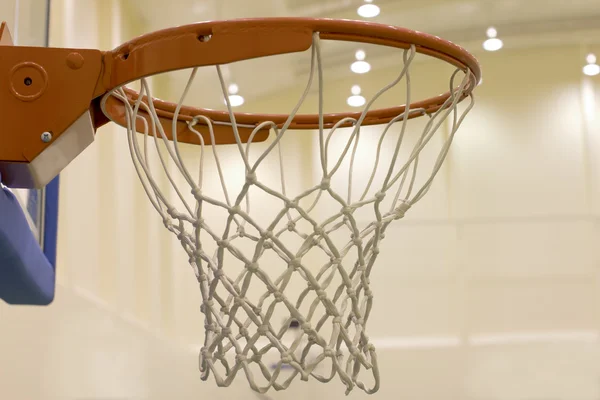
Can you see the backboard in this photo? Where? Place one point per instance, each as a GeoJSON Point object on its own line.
{"type": "Point", "coordinates": [27, 239]}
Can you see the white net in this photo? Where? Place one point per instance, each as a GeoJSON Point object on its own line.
{"type": "Point", "coordinates": [284, 277]}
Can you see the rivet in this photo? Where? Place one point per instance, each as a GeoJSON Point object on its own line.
{"type": "Point", "coordinates": [75, 60]}
{"type": "Point", "coordinates": [46, 137]}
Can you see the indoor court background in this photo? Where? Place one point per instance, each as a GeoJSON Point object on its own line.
{"type": "Point", "coordinates": [489, 289]}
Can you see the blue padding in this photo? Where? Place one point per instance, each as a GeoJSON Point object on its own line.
{"type": "Point", "coordinates": [26, 275]}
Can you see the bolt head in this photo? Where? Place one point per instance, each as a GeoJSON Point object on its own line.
{"type": "Point", "coordinates": [46, 137]}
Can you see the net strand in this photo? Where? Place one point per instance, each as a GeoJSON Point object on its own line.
{"type": "Point", "coordinates": [334, 307]}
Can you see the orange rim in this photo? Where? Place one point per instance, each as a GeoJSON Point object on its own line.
{"type": "Point", "coordinates": [222, 42]}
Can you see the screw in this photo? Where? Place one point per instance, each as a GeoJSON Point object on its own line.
{"type": "Point", "coordinates": [46, 137]}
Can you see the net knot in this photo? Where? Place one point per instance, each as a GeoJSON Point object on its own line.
{"type": "Point", "coordinates": [337, 320]}
{"type": "Point", "coordinates": [291, 225]}
{"type": "Point", "coordinates": [197, 193]}
{"type": "Point", "coordinates": [205, 354]}
{"type": "Point", "coordinates": [278, 296]}
{"type": "Point", "coordinates": [351, 292]}
{"type": "Point", "coordinates": [268, 245]}
{"type": "Point", "coordinates": [325, 184]}
{"type": "Point", "coordinates": [263, 329]}
{"type": "Point", "coordinates": [269, 235]}
{"type": "Point", "coordinates": [194, 121]}
{"type": "Point", "coordinates": [321, 294]}
{"type": "Point", "coordinates": [241, 231]}
{"type": "Point", "coordinates": [286, 358]}
{"type": "Point", "coordinates": [379, 196]}
{"type": "Point", "coordinates": [251, 178]}
{"type": "Point", "coordinates": [172, 211]}
{"type": "Point", "coordinates": [329, 352]}
{"type": "Point", "coordinates": [306, 327]}
{"type": "Point", "coordinates": [218, 273]}
{"type": "Point", "coordinates": [252, 267]}
{"type": "Point", "coordinates": [223, 243]}
{"type": "Point", "coordinates": [226, 330]}
{"type": "Point", "coordinates": [240, 358]}
{"type": "Point", "coordinates": [296, 263]}
{"type": "Point", "coordinates": [234, 210]}
{"type": "Point", "coordinates": [291, 204]}
{"type": "Point", "coordinates": [401, 210]}
{"type": "Point", "coordinates": [239, 301]}
{"type": "Point", "coordinates": [347, 211]}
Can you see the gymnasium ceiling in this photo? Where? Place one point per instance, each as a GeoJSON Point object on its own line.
{"type": "Point", "coordinates": [520, 23]}
{"type": "Point", "coordinates": [459, 20]}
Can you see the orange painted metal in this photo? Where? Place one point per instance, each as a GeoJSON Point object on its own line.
{"type": "Point", "coordinates": [40, 92]}
{"type": "Point", "coordinates": [237, 40]}
{"type": "Point", "coordinates": [47, 89]}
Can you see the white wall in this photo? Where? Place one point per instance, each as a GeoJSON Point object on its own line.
{"type": "Point", "coordinates": [108, 335]}
{"type": "Point", "coordinates": [488, 289]}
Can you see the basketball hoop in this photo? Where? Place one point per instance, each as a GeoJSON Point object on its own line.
{"type": "Point", "coordinates": [241, 308]}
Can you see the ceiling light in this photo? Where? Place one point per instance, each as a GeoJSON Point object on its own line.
{"type": "Point", "coordinates": [199, 8]}
{"type": "Point", "coordinates": [492, 43]}
{"type": "Point", "coordinates": [368, 10]}
{"type": "Point", "coordinates": [591, 69]}
{"type": "Point", "coordinates": [233, 89]}
{"type": "Point", "coordinates": [234, 98]}
{"type": "Point", "coordinates": [360, 66]}
{"type": "Point", "coordinates": [356, 100]}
